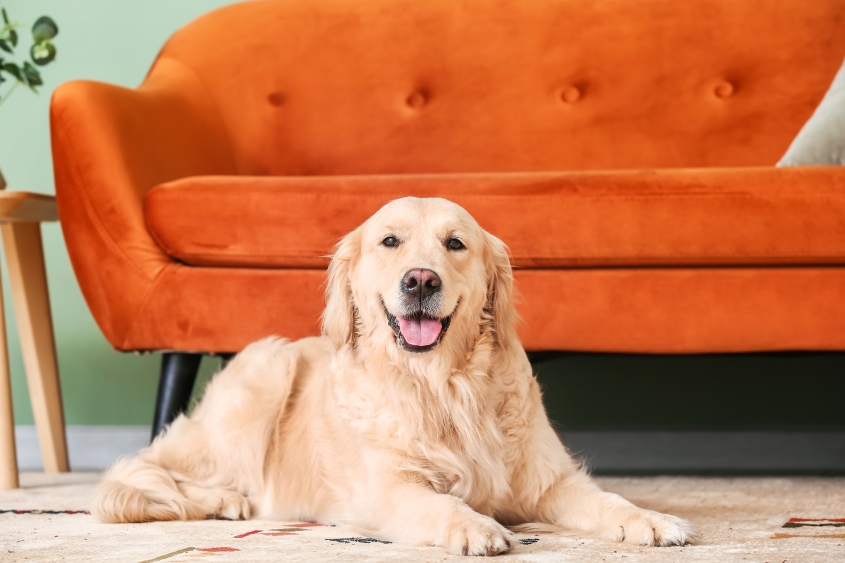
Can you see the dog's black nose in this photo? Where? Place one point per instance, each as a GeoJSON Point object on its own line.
{"type": "Point", "coordinates": [421, 282]}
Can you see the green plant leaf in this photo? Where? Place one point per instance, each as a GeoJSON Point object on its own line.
{"type": "Point", "coordinates": [43, 29]}
{"type": "Point", "coordinates": [13, 69]}
{"type": "Point", "coordinates": [43, 53]}
{"type": "Point", "coordinates": [5, 17]}
{"type": "Point", "coordinates": [34, 82]}
{"type": "Point", "coordinates": [13, 37]}
{"type": "Point", "coordinates": [33, 77]}
{"type": "Point", "coordinates": [5, 46]}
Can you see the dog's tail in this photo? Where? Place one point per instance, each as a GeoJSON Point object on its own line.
{"type": "Point", "coordinates": [221, 446]}
{"type": "Point", "coordinates": [138, 491]}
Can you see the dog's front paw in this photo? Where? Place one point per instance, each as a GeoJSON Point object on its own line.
{"type": "Point", "coordinates": [225, 504]}
{"type": "Point", "coordinates": [645, 527]}
{"type": "Point", "coordinates": [475, 534]}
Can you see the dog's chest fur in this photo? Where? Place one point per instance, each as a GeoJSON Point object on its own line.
{"type": "Point", "coordinates": [445, 433]}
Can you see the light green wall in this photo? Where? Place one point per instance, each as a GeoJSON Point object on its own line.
{"type": "Point", "coordinates": [113, 41]}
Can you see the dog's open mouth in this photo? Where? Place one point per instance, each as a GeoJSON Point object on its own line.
{"type": "Point", "coordinates": [418, 332]}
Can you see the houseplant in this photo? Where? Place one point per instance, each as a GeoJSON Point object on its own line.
{"type": "Point", "coordinates": [42, 52]}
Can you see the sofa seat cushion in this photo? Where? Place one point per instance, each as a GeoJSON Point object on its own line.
{"type": "Point", "coordinates": [675, 217]}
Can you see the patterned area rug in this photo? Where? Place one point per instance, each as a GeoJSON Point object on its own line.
{"type": "Point", "coordinates": [739, 519]}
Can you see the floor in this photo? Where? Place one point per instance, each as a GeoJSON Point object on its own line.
{"type": "Point", "coordinates": [742, 519]}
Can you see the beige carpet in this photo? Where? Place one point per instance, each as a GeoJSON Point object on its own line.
{"type": "Point", "coordinates": [739, 519]}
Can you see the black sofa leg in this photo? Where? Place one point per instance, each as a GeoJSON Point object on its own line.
{"type": "Point", "coordinates": [178, 374]}
{"type": "Point", "coordinates": [225, 359]}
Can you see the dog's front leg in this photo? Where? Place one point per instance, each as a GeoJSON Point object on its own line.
{"type": "Point", "coordinates": [414, 513]}
{"type": "Point", "coordinates": [576, 503]}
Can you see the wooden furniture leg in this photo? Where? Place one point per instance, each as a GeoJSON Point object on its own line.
{"type": "Point", "coordinates": [8, 455]}
{"type": "Point", "coordinates": [25, 256]}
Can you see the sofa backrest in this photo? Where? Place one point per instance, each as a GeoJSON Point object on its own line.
{"type": "Point", "coordinates": [400, 86]}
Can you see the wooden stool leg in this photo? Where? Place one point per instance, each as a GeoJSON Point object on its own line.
{"type": "Point", "coordinates": [24, 253]}
{"type": "Point", "coordinates": [8, 455]}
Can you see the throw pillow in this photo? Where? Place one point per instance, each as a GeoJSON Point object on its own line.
{"type": "Point", "coordinates": [822, 139]}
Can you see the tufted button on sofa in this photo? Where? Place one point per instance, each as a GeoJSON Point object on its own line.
{"type": "Point", "coordinates": [624, 151]}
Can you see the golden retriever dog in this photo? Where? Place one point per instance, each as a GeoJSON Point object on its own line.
{"type": "Point", "coordinates": [416, 418]}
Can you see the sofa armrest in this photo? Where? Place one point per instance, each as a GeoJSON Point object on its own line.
{"type": "Point", "coordinates": [110, 146]}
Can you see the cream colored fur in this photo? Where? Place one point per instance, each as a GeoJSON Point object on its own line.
{"type": "Point", "coordinates": [444, 448]}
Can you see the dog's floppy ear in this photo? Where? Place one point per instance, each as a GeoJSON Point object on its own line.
{"type": "Point", "coordinates": [500, 293]}
{"type": "Point", "coordinates": [339, 316]}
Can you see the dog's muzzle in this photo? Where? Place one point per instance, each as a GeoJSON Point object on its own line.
{"type": "Point", "coordinates": [418, 328]}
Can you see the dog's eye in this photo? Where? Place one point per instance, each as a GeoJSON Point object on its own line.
{"type": "Point", "coordinates": [390, 241]}
{"type": "Point", "coordinates": [455, 244]}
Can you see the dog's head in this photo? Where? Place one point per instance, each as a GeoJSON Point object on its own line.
{"type": "Point", "coordinates": [420, 276]}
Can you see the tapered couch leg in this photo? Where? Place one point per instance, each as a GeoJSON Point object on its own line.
{"type": "Point", "coordinates": [225, 359]}
{"type": "Point", "coordinates": [178, 374]}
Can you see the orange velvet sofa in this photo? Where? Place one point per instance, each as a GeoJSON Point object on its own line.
{"type": "Point", "coordinates": [624, 150]}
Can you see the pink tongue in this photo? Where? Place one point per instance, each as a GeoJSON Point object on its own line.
{"type": "Point", "coordinates": [419, 332]}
